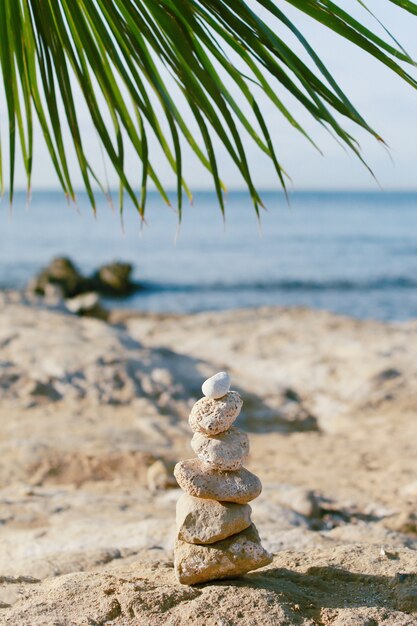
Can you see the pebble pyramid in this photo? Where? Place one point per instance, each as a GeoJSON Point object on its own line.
{"type": "Point", "coordinates": [216, 538]}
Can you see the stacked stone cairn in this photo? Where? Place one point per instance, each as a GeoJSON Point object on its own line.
{"type": "Point", "coordinates": [216, 538]}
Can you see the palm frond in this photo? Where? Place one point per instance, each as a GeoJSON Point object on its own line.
{"type": "Point", "coordinates": [126, 55]}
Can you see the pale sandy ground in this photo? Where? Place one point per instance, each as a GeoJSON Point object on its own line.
{"type": "Point", "coordinates": [87, 407]}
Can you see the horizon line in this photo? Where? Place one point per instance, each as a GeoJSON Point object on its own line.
{"type": "Point", "coordinates": [269, 190]}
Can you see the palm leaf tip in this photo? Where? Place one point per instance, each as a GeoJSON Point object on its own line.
{"type": "Point", "coordinates": [124, 56]}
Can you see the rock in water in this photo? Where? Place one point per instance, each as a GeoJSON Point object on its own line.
{"type": "Point", "coordinates": [232, 557]}
{"type": "Point", "coordinates": [212, 417]}
{"type": "Point", "coordinates": [199, 480]}
{"type": "Point", "coordinates": [208, 521]}
{"type": "Point", "coordinates": [226, 451]}
{"type": "Point", "coordinates": [217, 386]}
{"type": "Point", "coordinates": [62, 273]}
{"type": "Point", "coordinates": [114, 279]}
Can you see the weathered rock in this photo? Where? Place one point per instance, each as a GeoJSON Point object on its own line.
{"type": "Point", "coordinates": [63, 273]}
{"type": "Point", "coordinates": [232, 557]}
{"type": "Point", "coordinates": [226, 451]}
{"type": "Point", "coordinates": [142, 590]}
{"type": "Point", "coordinates": [208, 521]}
{"type": "Point", "coordinates": [114, 279]}
{"type": "Point", "coordinates": [79, 358]}
{"type": "Point", "coordinates": [199, 480]}
{"type": "Point", "coordinates": [212, 417]}
{"type": "Point", "coordinates": [216, 386]}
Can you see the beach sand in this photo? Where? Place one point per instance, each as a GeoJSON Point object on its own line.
{"type": "Point", "coordinates": [87, 511]}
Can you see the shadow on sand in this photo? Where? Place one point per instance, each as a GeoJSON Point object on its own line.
{"type": "Point", "coordinates": [333, 588]}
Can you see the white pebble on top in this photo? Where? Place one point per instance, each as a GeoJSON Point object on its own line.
{"type": "Point", "coordinates": [217, 386]}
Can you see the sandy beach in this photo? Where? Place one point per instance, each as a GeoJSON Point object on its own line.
{"type": "Point", "coordinates": [94, 415]}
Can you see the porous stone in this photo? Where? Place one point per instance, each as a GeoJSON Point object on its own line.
{"type": "Point", "coordinates": [232, 557]}
{"type": "Point", "coordinates": [207, 521]}
{"type": "Point", "coordinates": [199, 480]}
{"type": "Point", "coordinates": [212, 417]}
{"type": "Point", "coordinates": [216, 386]}
{"type": "Point", "coordinates": [226, 451]}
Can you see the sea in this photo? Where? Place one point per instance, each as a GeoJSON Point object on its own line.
{"type": "Point", "coordinates": [353, 253]}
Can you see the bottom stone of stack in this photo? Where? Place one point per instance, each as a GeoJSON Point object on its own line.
{"type": "Point", "coordinates": [209, 521]}
{"type": "Point", "coordinates": [231, 557]}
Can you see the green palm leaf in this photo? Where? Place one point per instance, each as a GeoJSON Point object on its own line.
{"type": "Point", "coordinates": [128, 58]}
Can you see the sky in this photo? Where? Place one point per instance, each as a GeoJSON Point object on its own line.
{"type": "Point", "coordinates": [388, 104]}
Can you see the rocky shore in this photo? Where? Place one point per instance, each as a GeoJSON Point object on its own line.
{"type": "Point", "coordinates": [94, 416]}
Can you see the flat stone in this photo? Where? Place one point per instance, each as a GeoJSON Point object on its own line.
{"type": "Point", "coordinates": [212, 417]}
{"type": "Point", "coordinates": [217, 386]}
{"type": "Point", "coordinates": [199, 480]}
{"type": "Point", "coordinates": [232, 557]}
{"type": "Point", "coordinates": [226, 451]}
{"type": "Point", "coordinates": [208, 521]}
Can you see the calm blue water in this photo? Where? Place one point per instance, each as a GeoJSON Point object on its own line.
{"type": "Point", "coordinates": [353, 253]}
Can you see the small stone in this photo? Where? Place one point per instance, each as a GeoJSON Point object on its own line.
{"type": "Point", "coordinates": [160, 476]}
{"type": "Point", "coordinates": [87, 305]}
{"type": "Point", "coordinates": [208, 521]}
{"type": "Point", "coordinates": [212, 417]}
{"type": "Point", "coordinates": [217, 386]}
{"type": "Point", "coordinates": [199, 480]}
{"type": "Point", "coordinates": [232, 557]}
{"type": "Point", "coordinates": [226, 451]}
